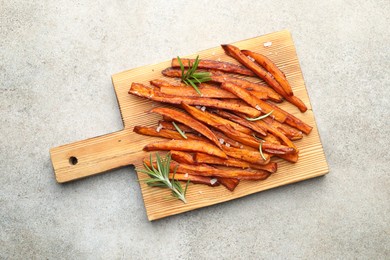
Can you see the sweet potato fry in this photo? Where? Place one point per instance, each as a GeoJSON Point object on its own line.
{"type": "Point", "coordinates": [196, 179]}
{"type": "Point", "coordinates": [247, 155]}
{"type": "Point", "coordinates": [229, 183]}
{"type": "Point", "coordinates": [182, 157]}
{"type": "Point", "coordinates": [271, 68]}
{"type": "Point", "coordinates": [252, 142]}
{"type": "Point", "coordinates": [263, 74]}
{"type": "Point", "coordinates": [259, 71]}
{"type": "Point", "coordinates": [290, 132]}
{"type": "Point", "coordinates": [291, 157]}
{"type": "Point", "coordinates": [239, 120]}
{"type": "Point", "coordinates": [259, 90]}
{"type": "Point", "coordinates": [169, 126]}
{"type": "Point", "coordinates": [214, 65]}
{"type": "Point", "coordinates": [188, 121]}
{"type": "Point", "coordinates": [186, 145]}
{"type": "Point", "coordinates": [209, 171]}
{"type": "Point", "coordinates": [166, 133]}
{"type": "Point", "coordinates": [213, 120]}
{"type": "Point", "coordinates": [292, 120]}
{"type": "Point", "coordinates": [232, 162]}
{"type": "Point", "coordinates": [253, 101]}
{"type": "Point", "coordinates": [207, 90]}
{"type": "Point", "coordinates": [146, 92]}
{"type": "Point", "coordinates": [226, 140]}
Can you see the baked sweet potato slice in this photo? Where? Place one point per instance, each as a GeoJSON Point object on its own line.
{"type": "Point", "coordinates": [187, 146]}
{"type": "Point", "coordinates": [239, 120]}
{"type": "Point", "coordinates": [247, 155]}
{"type": "Point", "coordinates": [205, 170]}
{"type": "Point", "coordinates": [188, 121]}
{"type": "Point", "coordinates": [227, 141]}
{"type": "Point", "coordinates": [229, 183]}
{"type": "Point", "coordinates": [263, 74]}
{"type": "Point", "coordinates": [166, 133]}
{"type": "Point", "coordinates": [169, 126]}
{"type": "Point", "coordinates": [182, 157]}
{"type": "Point", "coordinates": [232, 162]}
{"type": "Point", "coordinates": [207, 90]}
{"type": "Point", "coordinates": [213, 120]}
{"type": "Point", "coordinates": [214, 65]}
{"type": "Point", "coordinates": [290, 132]}
{"type": "Point", "coordinates": [271, 67]}
{"type": "Point", "coordinates": [236, 53]}
{"type": "Point", "coordinates": [196, 179]}
{"type": "Point", "coordinates": [252, 142]}
{"type": "Point", "coordinates": [147, 92]}
{"type": "Point", "coordinates": [259, 90]}
{"type": "Point", "coordinates": [291, 157]}
{"type": "Point", "coordinates": [253, 101]}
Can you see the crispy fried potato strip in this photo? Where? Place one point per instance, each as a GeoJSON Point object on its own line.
{"type": "Point", "coordinates": [166, 133]}
{"type": "Point", "coordinates": [182, 157]}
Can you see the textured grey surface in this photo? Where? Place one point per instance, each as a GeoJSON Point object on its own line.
{"type": "Point", "coordinates": [56, 58]}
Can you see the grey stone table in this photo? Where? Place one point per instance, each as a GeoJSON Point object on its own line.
{"type": "Point", "coordinates": [56, 59]}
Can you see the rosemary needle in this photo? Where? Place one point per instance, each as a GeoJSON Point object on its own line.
{"type": "Point", "coordinates": [260, 117]}
{"type": "Point", "coordinates": [179, 130]}
{"type": "Point", "coordinates": [261, 150]}
{"type": "Point", "coordinates": [159, 177]}
{"type": "Point", "coordinates": [191, 78]}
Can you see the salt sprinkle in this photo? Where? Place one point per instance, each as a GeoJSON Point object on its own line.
{"type": "Point", "coordinates": [252, 59]}
{"type": "Point", "coordinates": [186, 175]}
{"type": "Point", "coordinates": [224, 65]}
{"type": "Point", "coordinates": [198, 107]}
{"type": "Point", "coordinates": [213, 181]}
{"type": "Point", "coordinates": [241, 146]}
{"type": "Point", "coordinates": [219, 59]}
{"type": "Point", "coordinates": [221, 141]}
{"type": "Point", "coordinates": [258, 107]}
{"type": "Point", "coordinates": [203, 108]}
{"type": "Point", "coordinates": [227, 145]}
{"type": "Point", "coordinates": [159, 127]}
{"type": "Point", "coordinates": [267, 44]}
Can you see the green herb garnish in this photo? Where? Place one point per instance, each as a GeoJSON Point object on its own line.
{"type": "Point", "coordinates": [179, 130]}
{"type": "Point", "coordinates": [191, 78]}
{"type": "Point", "coordinates": [160, 177]}
{"type": "Point", "coordinates": [260, 117]}
{"type": "Point", "coordinates": [261, 150]}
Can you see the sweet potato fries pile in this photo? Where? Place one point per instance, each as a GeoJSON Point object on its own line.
{"type": "Point", "coordinates": [228, 128]}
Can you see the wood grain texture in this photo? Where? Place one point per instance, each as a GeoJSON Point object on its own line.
{"type": "Point", "coordinates": [114, 150]}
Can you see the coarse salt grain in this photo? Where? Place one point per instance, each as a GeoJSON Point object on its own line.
{"type": "Point", "coordinates": [186, 175]}
{"type": "Point", "coordinates": [267, 44]}
{"type": "Point", "coordinates": [227, 145]}
{"type": "Point", "coordinates": [159, 127]}
{"type": "Point", "coordinates": [241, 146]}
{"type": "Point", "coordinates": [221, 141]}
{"type": "Point", "coordinates": [203, 108]}
{"type": "Point", "coordinates": [224, 65]}
{"type": "Point", "coordinates": [198, 107]}
{"type": "Point", "coordinates": [213, 181]}
{"type": "Point", "coordinates": [219, 59]}
{"type": "Point", "coordinates": [258, 107]}
{"type": "Point", "coordinates": [252, 59]}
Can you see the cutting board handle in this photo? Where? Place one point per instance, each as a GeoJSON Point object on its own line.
{"type": "Point", "coordinates": [92, 156]}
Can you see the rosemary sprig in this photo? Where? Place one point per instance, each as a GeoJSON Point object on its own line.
{"type": "Point", "coordinates": [191, 78]}
{"type": "Point", "coordinates": [260, 146]}
{"type": "Point", "coordinates": [179, 130]}
{"type": "Point", "coordinates": [260, 117]}
{"type": "Point", "coordinates": [261, 150]}
{"type": "Point", "coordinates": [160, 177]}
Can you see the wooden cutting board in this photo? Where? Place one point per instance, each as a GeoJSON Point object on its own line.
{"type": "Point", "coordinates": [99, 154]}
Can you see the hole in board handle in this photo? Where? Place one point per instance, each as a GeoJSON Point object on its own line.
{"type": "Point", "coordinates": [73, 160]}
